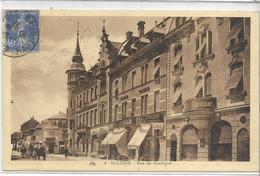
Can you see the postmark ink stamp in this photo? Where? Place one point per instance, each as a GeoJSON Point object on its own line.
{"type": "Point", "coordinates": [20, 32]}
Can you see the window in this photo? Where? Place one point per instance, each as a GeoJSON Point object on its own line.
{"type": "Point", "coordinates": [208, 85]}
{"type": "Point", "coordinates": [95, 92]}
{"type": "Point", "coordinates": [199, 87]}
{"type": "Point", "coordinates": [156, 101]}
{"type": "Point", "coordinates": [95, 117]}
{"type": "Point", "coordinates": [71, 124]}
{"type": "Point", "coordinates": [236, 31]}
{"type": "Point", "coordinates": [124, 81]}
{"type": "Point", "coordinates": [177, 49]}
{"type": "Point", "coordinates": [102, 114]}
{"type": "Point", "coordinates": [87, 119]}
{"type": "Point", "coordinates": [124, 109]}
{"type": "Point", "coordinates": [116, 111]}
{"type": "Point", "coordinates": [116, 87]}
{"type": "Point", "coordinates": [179, 101]}
{"type": "Point", "coordinates": [87, 100]}
{"type": "Point", "coordinates": [91, 118]}
{"type": "Point", "coordinates": [133, 106]}
{"type": "Point", "coordinates": [71, 103]}
{"type": "Point", "coordinates": [157, 68]}
{"type": "Point", "coordinates": [144, 70]}
{"type": "Point", "coordinates": [204, 46]}
{"type": "Point", "coordinates": [91, 94]}
{"type": "Point", "coordinates": [235, 82]}
{"type": "Point", "coordinates": [102, 87]}
{"type": "Point", "coordinates": [60, 124]}
{"type": "Point", "coordinates": [84, 97]}
{"type": "Point", "coordinates": [133, 79]}
{"type": "Point", "coordinates": [80, 101]}
{"type": "Point", "coordinates": [144, 104]}
{"type": "Point", "coordinates": [178, 65]}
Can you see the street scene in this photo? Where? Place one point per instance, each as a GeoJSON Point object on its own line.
{"type": "Point", "coordinates": [134, 89]}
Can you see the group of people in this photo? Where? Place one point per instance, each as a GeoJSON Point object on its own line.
{"type": "Point", "coordinates": [33, 151]}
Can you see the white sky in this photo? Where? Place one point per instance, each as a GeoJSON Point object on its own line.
{"type": "Point", "coordinates": [39, 79]}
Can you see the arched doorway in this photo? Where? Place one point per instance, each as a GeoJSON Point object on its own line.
{"type": "Point", "coordinates": [189, 143]}
{"type": "Point", "coordinates": [243, 146]}
{"type": "Point", "coordinates": [221, 141]}
{"type": "Point", "coordinates": [173, 148]}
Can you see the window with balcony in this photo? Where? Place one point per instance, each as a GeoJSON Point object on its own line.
{"type": "Point", "coordinates": [156, 101]}
{"type": "Point", "coordinates": [144, 99]}
{"type": "Point", "coordinates": [204, 45]}
{"type": "Point", "coordinates": [133, 79]}
{"type": "Point", "coordinates": [235, 84]}
{"type": "Point", "coordinates": [124, 82]}
{"type": "Point", "coordinates": [236, 35]}
{"type": "Point", "coordinates": [124, 109]}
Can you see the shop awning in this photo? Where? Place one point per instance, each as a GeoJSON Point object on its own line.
{"type": "Point", "coordinates": [114, 136]}
{"type": "Point", "coordinates": [234, 78]}
{"type": "Point", "coordinates": [107, 138]}
{"type": "Point", "coordinates": [234, 32]}
{"type": "Point", "coordinates": [139, 136]}
{"type": "Point", "coordinates": [177, 58]}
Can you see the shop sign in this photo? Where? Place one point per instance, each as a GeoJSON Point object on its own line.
{"type": "Point", "coordinates": [200, 104]}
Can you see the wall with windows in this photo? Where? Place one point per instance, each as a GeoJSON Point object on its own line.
{"type": "Point", "coordinates": [142, 89]}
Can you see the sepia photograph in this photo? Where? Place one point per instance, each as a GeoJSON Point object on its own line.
{"type": "Point", "coordinates": [116, 89]}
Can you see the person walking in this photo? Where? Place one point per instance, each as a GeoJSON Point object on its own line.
{"type": "Point", "coordinates": [66, 152]}
{"type": "Point", "coordinates": [42, 152]}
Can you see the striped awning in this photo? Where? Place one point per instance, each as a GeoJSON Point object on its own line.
{"type": "Point", "coordinates": [202, 45]}
{"type": "Point", "coordinates": [234, 32]}
{"type": "Point", "coordinates": [177, 94]}
{"type": "Point", "coordinates": [139, 136]}
{"type": "Point", "coordinates": [177, 58]}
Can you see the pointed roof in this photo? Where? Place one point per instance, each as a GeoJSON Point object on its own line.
{"type": "Point", "coordinates": [77, 55]}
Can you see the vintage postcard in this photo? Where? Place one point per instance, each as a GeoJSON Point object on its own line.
{"type": "Point", "coordinates": [133, 91]}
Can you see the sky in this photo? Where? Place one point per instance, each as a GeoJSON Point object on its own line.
{"type": "Point", "coordinates": [39, 79]}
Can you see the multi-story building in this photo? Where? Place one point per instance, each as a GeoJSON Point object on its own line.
{"type": "Point", "coordinates": [53, 133]}
{"type": "Point", "coordinates": [177, 92]}
{"type": "Point", "coordinates": [28, 127]}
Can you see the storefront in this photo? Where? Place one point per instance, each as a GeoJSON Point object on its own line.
{"type": "Point", "coordinates": [116, 144]}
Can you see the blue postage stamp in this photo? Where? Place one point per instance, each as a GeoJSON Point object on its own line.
{"type": "Point", "coordinates": [20, 32]}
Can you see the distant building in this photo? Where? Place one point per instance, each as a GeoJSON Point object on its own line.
{"type": "Point", "coordinates": [52, 132]}
{"type": "Point", "coordinates": [28, 127]}
{"type": "Point", "coordinates": [180, 91]}
{"type": "Point", "coordinates": [16, 138]}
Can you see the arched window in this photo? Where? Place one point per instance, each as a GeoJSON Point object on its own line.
{"type": "Point", "coordinates": [243, 146]}
{"type": "Point", "coordinates": [221, 141]}
{"type": "Point", "coordinates": [208, 80]}
{"type": "Point", "coordinates": [189, 143]}
{"type": "Point", "coordinates": [173, 147]}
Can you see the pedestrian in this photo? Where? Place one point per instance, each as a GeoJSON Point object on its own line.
{"type": "Point", "coordinates": [66, 152]}
{"type": "Point", "coordinates": [34, 151]}
{"type": "Point", "coordinates": [30, 149]}
{"type": "Point", "coordinates": [42, 152]}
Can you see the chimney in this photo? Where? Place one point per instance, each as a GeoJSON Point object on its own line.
{"type": "Point", "coordinates": [140, 25]}
{"type": "Point", "coordinates": [129, 35]}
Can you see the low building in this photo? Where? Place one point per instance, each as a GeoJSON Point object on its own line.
{"type": "Point", "coordinates": [28, 127]}
{"type": "Point", "coordinates": [53, 133]}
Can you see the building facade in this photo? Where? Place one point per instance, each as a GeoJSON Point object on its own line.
{"type": "Point", "coordinates": [179, 91]}
{"type": "Point", "coordinates": [53, 133]}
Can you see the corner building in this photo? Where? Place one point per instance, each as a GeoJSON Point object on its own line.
{"type": "Point", "coordinates": [179, 91]}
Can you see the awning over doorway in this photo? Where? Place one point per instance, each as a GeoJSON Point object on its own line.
{"type": "Point", "coordinates": [139, 136]}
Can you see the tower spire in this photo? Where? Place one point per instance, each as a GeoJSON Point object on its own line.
{"type": "Point", "coordinates": [104, 34]}
{"type": "Point", "coordinates": [77, 55]}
